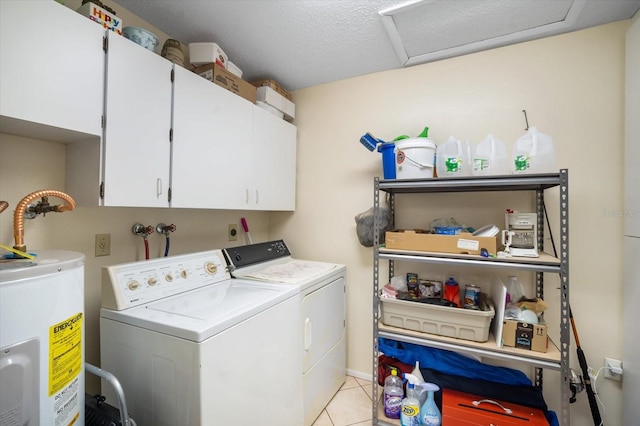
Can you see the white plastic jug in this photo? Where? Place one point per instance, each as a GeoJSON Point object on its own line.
{"type": "Point", "coordinates": [491, 158]}
{"type": "Point", "coordinates": [453, 158]}
{"type": "Point", "coordinates": [534, 153]}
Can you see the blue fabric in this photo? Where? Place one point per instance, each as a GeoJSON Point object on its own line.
{"type": "Point", "coordinates": [448, 362]}
{"type": "Point", "coordinates": [552, 418]}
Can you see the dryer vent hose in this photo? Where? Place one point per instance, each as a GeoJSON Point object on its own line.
{"type": "Point", "coordinates": [3, 206]}
{"type": "Point", "coordinates": [42, 207]}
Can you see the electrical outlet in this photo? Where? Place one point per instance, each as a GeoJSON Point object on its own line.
{"type": "Point", "coordinates": [103, 244]}
{"type": "Point", "coordinates": [233, 232]}
{"type": "Point", "coordinates": [612, 369]}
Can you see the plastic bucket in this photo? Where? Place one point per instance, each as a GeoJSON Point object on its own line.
{"type": "Point", "coordinates": [388, 160]}
{"type": "Point", "coordinates": [415, 158]}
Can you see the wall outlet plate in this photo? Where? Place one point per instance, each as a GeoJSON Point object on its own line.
{"type": "Point", "coordinates": [616, 364]}
{"type": "Point", "coordinates": [103, 244]}
{"type": "Point", "coordinates": [233, 232]}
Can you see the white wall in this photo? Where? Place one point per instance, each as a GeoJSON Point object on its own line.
{"type": "Point", "coordinates": [572, 87]}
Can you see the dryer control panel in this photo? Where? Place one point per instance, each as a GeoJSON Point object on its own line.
{"type": "Point", "coordinates": [242, 256]}
{"type": "Point", "coordinates": [136, 283]}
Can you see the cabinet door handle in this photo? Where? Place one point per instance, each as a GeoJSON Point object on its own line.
{"type": "Point", "coordinates": [159, 187]}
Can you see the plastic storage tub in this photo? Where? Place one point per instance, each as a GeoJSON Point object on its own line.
{"type": "Point", "coordinates": [467, 324]}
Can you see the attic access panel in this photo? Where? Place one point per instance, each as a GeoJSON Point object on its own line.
{"type": "Point", "coordinates": [428, 30]}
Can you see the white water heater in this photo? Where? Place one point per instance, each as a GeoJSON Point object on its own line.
{"type": "Point", "coordinates": [42, 339]}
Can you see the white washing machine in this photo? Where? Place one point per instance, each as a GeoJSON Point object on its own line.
{"type": "Point", "coordinates": [42, 339]}
{"type": "Point", "coordinates": [322, 344]}
{"type": "Point", "coordinates": [191, 346]}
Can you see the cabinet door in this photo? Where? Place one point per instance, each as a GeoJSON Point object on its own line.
{"type": "Point", "coordinates": [211, 145]}
{"type": "Point", "coordinates": [136, 146]}
{"type": "Point", "coordinates": [274, 162]}
{"type": "Point", "coordinates": [51, 66]}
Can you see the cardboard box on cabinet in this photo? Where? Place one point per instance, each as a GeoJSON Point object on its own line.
{"type": "Point", "coordinates": [228, 80]}
{"type": "Point", "coordinates": [274, 85]}
{"type": "Point", "coordinates": [269, 96]}
{"type": "Point", "coordinates": [98, 14]}
{"type": "Point", "coordinates": [523, 335]}
{"type": "Point", "coordinates": [420, 240]}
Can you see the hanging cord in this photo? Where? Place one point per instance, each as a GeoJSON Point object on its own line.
{"type": "Point", "coordinates": [166, 245]}
{"type": "Point", "coordinates": [595, 380]}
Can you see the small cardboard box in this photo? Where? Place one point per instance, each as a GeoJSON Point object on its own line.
{"type": "Point", "coordinates": [228, 80]}
{"type": "Point", "coordinates": [275, 86]}
{"type": "Point", "coordinates": [523, 335]}
{"type": "Point", "coordinates": [271, 97]}
{"type": "Point", "coordinates": [421, 240]}
{"type": "Point", "coordinates": [97, 14]}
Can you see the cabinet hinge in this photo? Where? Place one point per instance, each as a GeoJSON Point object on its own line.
{"type": "Point", "coordinates": [173, 75]}
{"type": "Point", "coordinates": [169, 194]}
{"type": "Point", "coordinates": [102, 121]}
{"type": "Point", "coordinates": [171, 135]}
{"type": "Point", "coordinates": [105, 44]}
{"type": "Point", "coordinates": [102, 190]}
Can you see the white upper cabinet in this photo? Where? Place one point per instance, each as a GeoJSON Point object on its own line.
{"type": "Point", "coordinates": [274, 162]}
{"type": "Point", "coordinates": [136, 143]}
{"type": "Point", "coordinates": [211, 158]}
{"type": "Point", "coordinates": [51, 69]}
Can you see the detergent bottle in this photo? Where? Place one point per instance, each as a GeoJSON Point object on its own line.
{"type": "Point", "coordinates": [393, 394]}
{"type": "Point", "coordinates": [453, 158]}
{"type": "Point", "coordinates": [491, 158]}
{"type": "Point", "coordinates": [429, 413]}
{"type": "Point", "coordinates": [534, 153]}
{"type": "Point", "coordinates": [410, 413]}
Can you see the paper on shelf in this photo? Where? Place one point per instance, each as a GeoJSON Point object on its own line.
{"type": "Point", "coordinates": [499, 296]}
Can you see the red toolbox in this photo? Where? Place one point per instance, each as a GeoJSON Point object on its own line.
{"type": "Point", "coordinates": [465, 409]}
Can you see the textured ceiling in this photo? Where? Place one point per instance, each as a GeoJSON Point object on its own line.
{"type": "Point", "coordinates": [302, 43]}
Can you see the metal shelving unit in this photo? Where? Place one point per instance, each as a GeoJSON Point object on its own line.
{"type": "Point", "coordinates": [557, 357]}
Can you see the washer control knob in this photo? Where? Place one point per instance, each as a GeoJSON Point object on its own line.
{"type": "Point", "coordinates": [184, 273]}
{"type": "Point", "coordinates": [211, 268]}
{"type": "Point", "coordinates": [152, 281]}
{"type": "Point", "coordinates": [133, 285]}
{"type": "Point", "coordinates": [168, 278]}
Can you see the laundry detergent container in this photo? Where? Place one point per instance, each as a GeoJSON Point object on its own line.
{"type": "Point", "coordinates": [491, 158]}
{"type": "Point", "coordinates": [534, 153]}
{"type": "Point", "coordinates": [453, 158]}
{"type": "Point", "coordinates": [415, 158]}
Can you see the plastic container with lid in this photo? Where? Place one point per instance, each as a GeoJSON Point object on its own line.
{"type": "Point", "coordinates": [453, 158]}
{"type": "Point", "coordinates": [491, 158]}
{"type": "Point", "coordinates": [534, 153]}
{"type": "Point", "coordinates": [415, 157]}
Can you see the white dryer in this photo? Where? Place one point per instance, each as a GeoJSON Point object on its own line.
{"type": "Point", "coordinates": [322, 317]}
{"type": "Point", "coordinates": [193, 347]}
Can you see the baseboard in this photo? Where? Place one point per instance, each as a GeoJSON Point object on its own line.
{"type": "Point", "coordinates": [360, 375]}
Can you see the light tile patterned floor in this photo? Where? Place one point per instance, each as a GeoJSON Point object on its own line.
{"type": "Point", "coordinates": [351, 406]}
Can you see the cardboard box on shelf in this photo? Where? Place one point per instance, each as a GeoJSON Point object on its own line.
{"type": "Point", "coordinates": [98, 14]}
{"type": "Point", "coordinates": [275, 86]}
{"type": "Point", "coordinates": [420, 240]}
{"type": "Point", "coordinates": [268, 95]}
{"type": "Point", "coordinates": [229, 81]}
{"type": "Point", "coordinates": [523, 335]}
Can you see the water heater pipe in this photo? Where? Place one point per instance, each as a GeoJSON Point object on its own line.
{"type": "Point", "coordinates": [23, 205]}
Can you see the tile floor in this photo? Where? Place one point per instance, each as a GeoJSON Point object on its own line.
{"type": "Point", "coordinates": [351, 406]}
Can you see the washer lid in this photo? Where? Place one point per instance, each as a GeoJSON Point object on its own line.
{"type": "Point", "coordinates": [205, 312]}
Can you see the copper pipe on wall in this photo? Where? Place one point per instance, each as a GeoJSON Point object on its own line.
{"type": "Point", "coordinates": [3, 206]}
{"type": "Point", "coordinates": [21, 208]}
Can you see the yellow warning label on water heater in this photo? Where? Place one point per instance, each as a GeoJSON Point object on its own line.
{"type": "Point", "coordinates": [65, 352]}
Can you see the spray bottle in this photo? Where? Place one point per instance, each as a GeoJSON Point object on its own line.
{"type": "Point", "coordinates": [429, 413]}
{"type": "Point", "coordinates": [410, 413]}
